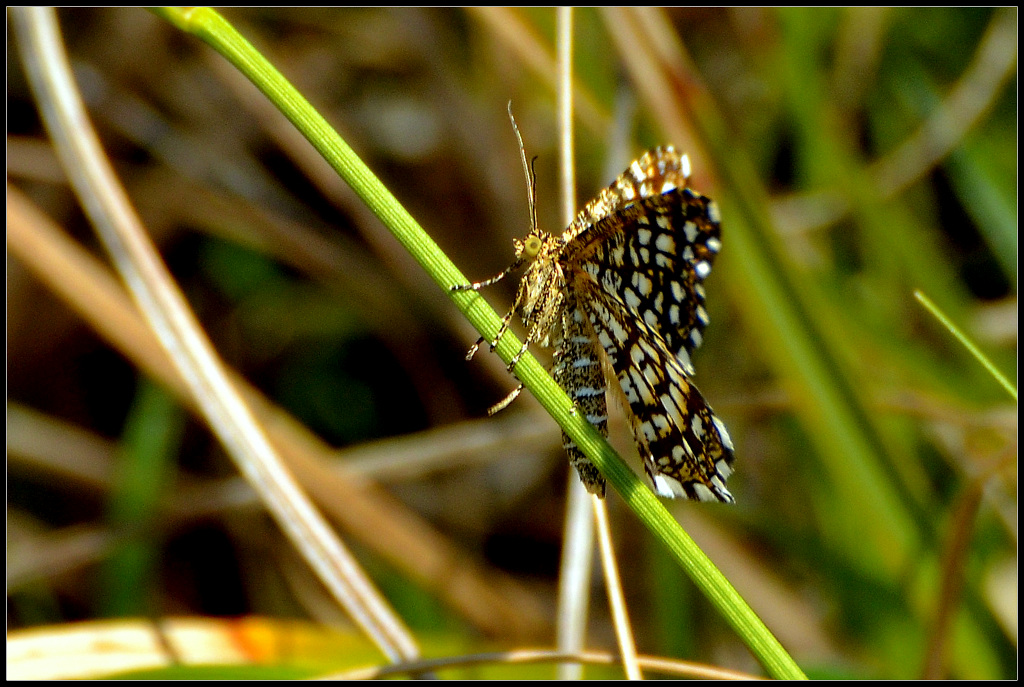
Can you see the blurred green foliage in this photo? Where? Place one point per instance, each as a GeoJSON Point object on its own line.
{"type": "Point", "coordinates": [860, 534]}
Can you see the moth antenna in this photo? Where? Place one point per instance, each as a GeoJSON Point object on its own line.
{"type": "Point", "coordinates": [531, 178]}
{"type": "Point", "coordinates": [533, 193]}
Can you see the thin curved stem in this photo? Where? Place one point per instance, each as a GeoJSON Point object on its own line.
{"type": "Point", "coordinates": [168, 315]}
{"type": "Point", "coordinates": [213, 29]}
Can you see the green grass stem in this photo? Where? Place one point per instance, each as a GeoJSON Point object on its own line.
{"type": "Point", "coordinates": [214, 30]}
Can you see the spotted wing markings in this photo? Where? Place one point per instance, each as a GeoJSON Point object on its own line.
{"type": "Point", "coordinates": [620, 293]}
{"type": "Point", "coordinates": [685, 448]}
{"type": "Point", "coordinates": [641, 237]}
{"type": "Point", "coordinates": [641, 251]}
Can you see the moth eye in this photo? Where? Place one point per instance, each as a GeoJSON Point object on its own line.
{"type": "Point", "coordinates": [532, 246]}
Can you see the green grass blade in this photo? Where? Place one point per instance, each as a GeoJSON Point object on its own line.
{"type": "Point", "coordinates": [968, 344]}
{"type": "Point", "coordinates": [214, 30]}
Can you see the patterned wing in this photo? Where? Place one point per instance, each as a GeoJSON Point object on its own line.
{"type": "Point", "coordinates": [577, 369]}
{"type": "Point", "coordinates": [685, 448]}
{"type": "Point", "coordinates": [621, 292]}
{"type": "Point", "coordinates": [649, 242]}
{"type": "Point", "coordinates": [636, 258]}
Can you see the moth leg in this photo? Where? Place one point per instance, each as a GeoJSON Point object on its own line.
{"type": "Point", "coordinates": [505, 402]}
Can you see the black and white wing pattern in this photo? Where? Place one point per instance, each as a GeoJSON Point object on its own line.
{"type": "Point", "coordinates": [635, 261]}
{"type": "Point", "coordinates": [621, 296]}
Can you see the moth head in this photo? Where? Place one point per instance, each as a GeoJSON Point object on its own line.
{"type": "Point", "coordinates": [529, 248]}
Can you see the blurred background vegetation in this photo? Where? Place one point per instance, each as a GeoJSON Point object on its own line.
{"type": "Point", "coordinates": [857, 154]}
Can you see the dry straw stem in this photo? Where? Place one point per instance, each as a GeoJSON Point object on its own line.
{"type": "Point", "coordinates": [169, 316]}
{"type": "Point", "coordinates": [578, 533]}
{"type": "Point", "coordinates": [507, 26]}
{"type": "Point", "coordinates": [582, 527]}
{"type": "Point", "coordinates": [669, 667]}
{"type": "Point", "coordinates": [492, 601]}
{"type": "Point", "coordinates": [613, 585]}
